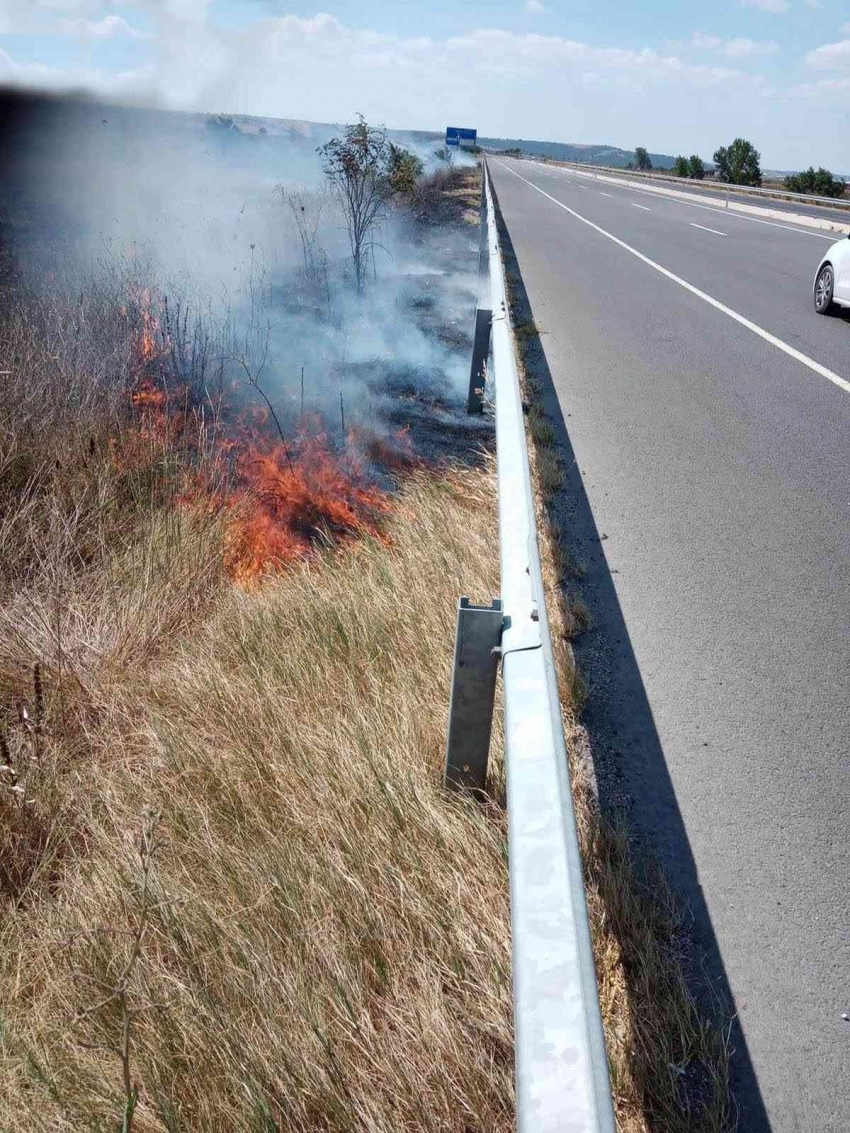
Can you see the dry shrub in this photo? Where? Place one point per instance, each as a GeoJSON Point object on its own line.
{"type": "Point", "coordinates": [328, 941]}
{"type": "Point", "coordinates": [447, 196]}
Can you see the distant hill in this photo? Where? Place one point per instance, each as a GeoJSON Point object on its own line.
{"type": "Point", "coordinates": [573, 151]}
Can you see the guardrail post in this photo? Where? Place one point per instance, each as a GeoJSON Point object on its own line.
{"type": "Point", "coordinates": [483, 318]}
{"type": "Point", "coordinates": [476, 662]}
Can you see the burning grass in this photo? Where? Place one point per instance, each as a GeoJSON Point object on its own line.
{"type": "Point", "coordinates": [280, 499]}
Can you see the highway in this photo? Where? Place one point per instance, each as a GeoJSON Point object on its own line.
{"type": "Point", "coordinates": [704, 410]}
{"type": "Point", "coordinates": [715, 194]}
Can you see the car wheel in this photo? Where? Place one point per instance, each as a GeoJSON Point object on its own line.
{"type": "Point", "coordinates": [824, 285]}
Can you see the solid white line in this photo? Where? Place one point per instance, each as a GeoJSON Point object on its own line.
{"type": "Point", "coordinates": [645, 209]}
{"type": "Point", "coordinates": [703, 227]}
{"type": "Point", "coordinates": [745, 322]}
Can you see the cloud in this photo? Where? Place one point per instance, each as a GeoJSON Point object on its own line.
{"type": "Point", "coordinates": [706, 42]}
{"type": "Point", "coordinates": [138, 84]}
{"type": "Point", "coordinates": [107, 28]}
{"type": "Point", "coordinates": [547, 86]}
{"type": "Point", "coordinates": [535, 7]}
{"type": "Point", "coordinates": [734, 48]}
{"type": "Point", "coordinates": [815, 5]}
{"type": "Point", "coordinates": [845, 28]}
{"type": "Point", "coordinates": [830, 57]}
{"type": "Point", "coordinates": [775, 6]}
{"type": "Point", "coordinates": [839, 89]}
{"type": "Point", "coordinates": [749, 48]}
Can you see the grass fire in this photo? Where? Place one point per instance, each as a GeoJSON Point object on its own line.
{"type": "Point", "coordinates": [281, 495]}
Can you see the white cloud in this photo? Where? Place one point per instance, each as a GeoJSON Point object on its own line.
{"type": "Point", "coordinates": [775, 6]}
{"type": "Point", "coordinates": [507, 84]}
{"type": "Point", "coordinates": [830, 57]}
{"type": "Point", "coordinates": [749, 48]}
{"type": "Point", "coordinates": [106, 28]}
{"type": "Point", "coordinates": [23, 15]}
{"type": "Point", "coordinates": [815, 5]}
{"type": "Point", "coordinates": [137, 84]}
{"type": "Point", "coordinates": [845, 28]}
{"type": "Point", "coordinates": [535, 7]}
{"type": "Point", "coordinates": [734, 48]}
{"type": "Point", "coordinates": [706, 42]}
{"type": "Point", "coordinates": [838, 88]}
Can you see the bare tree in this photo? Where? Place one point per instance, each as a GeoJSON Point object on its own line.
{"type": "Point", "coordinates": [356, 167]}
{"type": "Point", "coordinates": [306, 209]}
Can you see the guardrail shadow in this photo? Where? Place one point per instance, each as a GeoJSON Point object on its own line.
{"type": "Point", "coordinates": [626, 750]}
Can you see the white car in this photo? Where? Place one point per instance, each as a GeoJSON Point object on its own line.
{"type": "Point", "coordinates": [832, 279]}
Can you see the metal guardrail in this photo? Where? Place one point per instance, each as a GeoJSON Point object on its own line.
{"type": "Point", "coordinates": [706, 186]}
{"type": "Point", "coordinates": [562, 1080]}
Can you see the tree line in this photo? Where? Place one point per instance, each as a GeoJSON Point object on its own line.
{"type": "Point", "coordinates": [740, 164]}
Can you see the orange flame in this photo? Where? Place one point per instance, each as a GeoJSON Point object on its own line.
{"type": "Point", "coordinates": [149, 343]}
{"type": "Point", "coordinates": [281, 501]}
{"type": "Point", "coordinates": [285, 505]}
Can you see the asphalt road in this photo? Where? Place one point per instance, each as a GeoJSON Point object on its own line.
{"type": "Point", "coordinates": [708, 493]}
{"type": "Point", "coordinates": [713, 195]}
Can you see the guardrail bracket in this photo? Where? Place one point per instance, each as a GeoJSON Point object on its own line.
{"type": "Point", "coordinates": [476, 663]}
{"type": "Point", "coordinates": [478, 369]}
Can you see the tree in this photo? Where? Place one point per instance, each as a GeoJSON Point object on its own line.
{"type": "Point", "coordinates": [696, 169]}
{"type": "Point", "coordinates": [681, 167]}
{"type": "Point", "coordinates": [445, 155]}
{"type": "Point", "coordinates": [739, 164]}
{"type": "Point", "coordinates": [356, 167]}
{"type": "Point", "coordinates": [222, 124]}
{"type": "Point", "coordinates": [817, 182]}
{"type": "Point", "coordinates": [642, 161]}
{"type": "Point", "coordinates": [403, 170]}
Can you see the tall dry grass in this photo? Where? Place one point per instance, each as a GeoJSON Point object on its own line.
{"type": "Point", "coordinates": [327, 945]}
{"type": "Point", "coordinates": [311, 935]}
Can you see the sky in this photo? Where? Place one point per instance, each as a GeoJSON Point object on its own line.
{"type": "Point", "coordinates": [674, 77]}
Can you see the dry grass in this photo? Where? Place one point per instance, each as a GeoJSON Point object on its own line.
{"type": "Point", "coordinates": [668, 1059]}
{"type": "Point", "coordinates": [328, 946]}
{"type": "Point", "coordinates": [311, 935]}
{"type": "Point", "coordinates": [448, 196]}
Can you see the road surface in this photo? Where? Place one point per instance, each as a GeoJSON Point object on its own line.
{"type": "Point", "coordinates": [707, 416]}
{"type": "Point", "coordinates": [714, 195]}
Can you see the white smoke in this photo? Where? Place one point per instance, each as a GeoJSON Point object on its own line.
{"type": "Point", "coordinates": [204, 211]}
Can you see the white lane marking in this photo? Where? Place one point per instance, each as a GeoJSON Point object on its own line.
{"type": "Point", "coordinates": [601, 194]}
{"type": "Point", "coordinates": [745, 322]}
{"type": "Point", "coordinates": [636, 206]}
{"type": "Point", "coordinates": [703, 227]}
{"type": "Point", "coordinates": [732, 213]}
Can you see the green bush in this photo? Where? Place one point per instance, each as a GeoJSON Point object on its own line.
{"type": "Point", "coordinates": [817, 182]}
{"type": "Point", "coordinates": [681, 167]}
{"type": "Point", "coordinates": [403, 170]}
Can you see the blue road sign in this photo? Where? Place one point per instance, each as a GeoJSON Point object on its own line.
{"type": "Point", "coordinates": [461, 136]}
